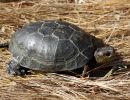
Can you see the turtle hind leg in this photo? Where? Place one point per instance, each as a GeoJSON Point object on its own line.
{"type": "Point", "coordinates": [14, 68]}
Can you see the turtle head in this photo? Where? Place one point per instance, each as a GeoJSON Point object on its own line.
{"type": "Point", "coordinates": [104, 54]}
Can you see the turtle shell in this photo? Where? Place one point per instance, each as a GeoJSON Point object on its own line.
{"type": "Point", "coordinates": [52, 46]}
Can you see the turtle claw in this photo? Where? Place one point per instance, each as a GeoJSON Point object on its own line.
{"type": "Point", "coordinates": [85, 77]}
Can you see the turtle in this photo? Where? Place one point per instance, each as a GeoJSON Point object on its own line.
{"type": "Point", "coordinates": [54, 46]}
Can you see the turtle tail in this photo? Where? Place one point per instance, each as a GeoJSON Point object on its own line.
{"type": "Point", "coordinates": [4, 45]}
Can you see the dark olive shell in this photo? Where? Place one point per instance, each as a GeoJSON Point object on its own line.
{"type": "Point", "coordinates": [52, 46]}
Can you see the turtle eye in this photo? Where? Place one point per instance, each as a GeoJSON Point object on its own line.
{"type": "Point", "coordinates": [108, 54]}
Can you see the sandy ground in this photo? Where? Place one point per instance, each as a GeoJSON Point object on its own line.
{"type": "Point", "coordinates": [105, 19]}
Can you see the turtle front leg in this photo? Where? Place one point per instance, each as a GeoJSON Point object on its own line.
{"type": "Point", "coordinates": [85, 69]}
{"type": "Point", "coordinates": [14, 68]}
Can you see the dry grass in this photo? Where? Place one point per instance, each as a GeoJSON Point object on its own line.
{"type": "Point", "coordinates": [106, 19]}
